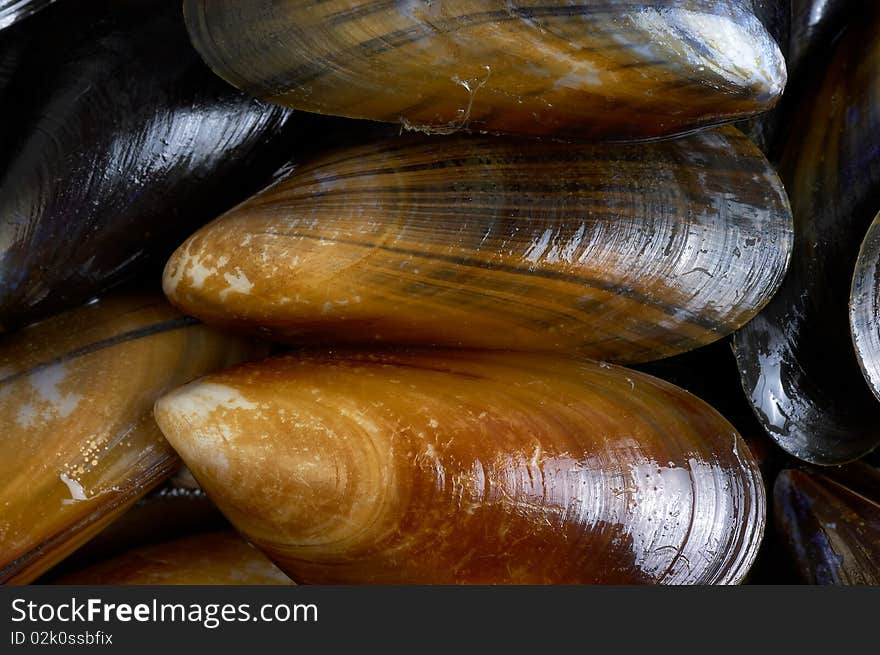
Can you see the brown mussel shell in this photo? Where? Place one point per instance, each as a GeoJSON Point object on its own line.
{"type": "Point", "coordinates": [864, 307]}
{"type": "Point", "coordinates": [622, 253]}
{"type": "Point", "coordinates": [612, 70]}
{"type": "Point", "coordinates": [796, 358]}
{"type": "Point", "coordinates": [168, 513]}
{"type": "Point", "coordinates": [216, 558]}
{"type": "Point", "coordinates": [79, 442]}
{"type": "Point", "coordinates": [470, 467]}
{"type": "Point", "coordinates": [829, 521]}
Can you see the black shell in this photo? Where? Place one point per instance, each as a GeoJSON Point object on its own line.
{"type": "Point", "coordinates": [120, 141]}
{"type": "Point", "coordinates": [829, 522]}
{"type": "Point", "coordinates": [815, 23]}
{"type": "Point", "coordinates": [796, 358]}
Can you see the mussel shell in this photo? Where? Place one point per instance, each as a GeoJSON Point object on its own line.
{"type": "Point", "coordinates": [12, 11]}
{"type": "Point", "coordinates": [830, 523]}
{"type": "Point", "coordinates": [616, 69]}
{"type": "Point", "coordinates": [796, 357]}
{"type": "Point", "coordinates": [864, 307]}
{"type": "Point", "coordinates": [775, 16]}
{"type": "Point", "coordinates": [216, 558]}
{"type": "Point", "coordinates": [470, 467]}
{"type": "Point", "coordinates": [119, 142]}
{"type": "Point", "coordinates": [711, 374]}
{"type": "Point", "coordinates": [79, 442]}
{"type": "Point", "coordinates": [621, 253]}
{"type": "Point", "coordinates": [816, 23]}
{"type": "Point", "coordinates": [166, 514]}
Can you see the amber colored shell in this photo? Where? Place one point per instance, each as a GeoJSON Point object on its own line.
{"type": "Point", "coordinates": [79, 442]}
{"type": "Point", "coordinates": [620, 253]}
{"type": "Point", "coordinates": [216, 558]}
{"type": "Point", "coordinates": [470, 467]}
{"type": "Point", "coordinates": [615, 69]}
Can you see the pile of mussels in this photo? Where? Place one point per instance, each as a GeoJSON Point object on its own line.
{"type": "Point", "coordinates": [454, 291]}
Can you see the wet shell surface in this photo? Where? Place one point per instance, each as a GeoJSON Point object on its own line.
{"type": "Point", "coordinates": [815, 24]}
{"type": "Point", "coordinates": [796, 357]}
{"type": "Point", "coordinates": [616, 69]}
{"type": "Point", "coordinates": [168, 513]}
{"type": "Point", "coordinates": [217, 558]}
{"type": "Point", "coordinates": [12, 11]}
{"type": "Point", "coordinates": [830, 523]}
{"type": "Point", "coordinates": [79, 442]}
{"type": "Point", "coordinates": [470, 467]}
{"type": "Point", "coordinates": [619, 253]}
{"type": "Point", "coordinates": [864, 307]}
{"type": "Point", "coordinates": [115, 149]}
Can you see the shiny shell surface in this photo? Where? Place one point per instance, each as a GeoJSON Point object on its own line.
{"type": "Point", "coordinates": [864, 307]}
{"type": "Point", "coordinates": [609, 70]}
{"type": "Point", "coordinates": [796, 357]}
{"type": "Point", "coordinates": [830, 523]}
{"type": "Point", "coordinates": [470, 467]}
{"type": "Point", "coordinates": [114, 150]}
{"type": "Point", "coordinates": [12, 11]}
{"type": "Point", "coordinates": [620, 253]}
{"type": "Point", "coordinates": [79, 442]}
{"type": "Point", "coordinates": [216, 558]}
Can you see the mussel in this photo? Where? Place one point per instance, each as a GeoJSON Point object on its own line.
{"type": "Point", "coordinates": [614, 70]}
{"type": "Point", "coordinates": [12, 11]}
{"type": "Point", "coordinates": [216, 558]}
{"type": "Point", "coordinates": [168, 513]}
{"type": "Point", "coordinates": [710, 373]}
{"type": "Point", "coordinates": [864, 307]}
{"type": "Point", "coordinates": [796, 357]}
{"type": "Point", "coordinates": [79, 444]}
{"type": "Point", "coordinates": [816, 23]}
{"type": "Point", "coordinates": [119, 143]}
{"type": "Point", "coordinates": [464, 467]}
{"type": "Point", "coordinates": [621, 253]}
{"type": "Point", "coordinates": [830, 523]}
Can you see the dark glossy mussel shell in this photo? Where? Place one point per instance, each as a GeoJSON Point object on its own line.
{"type": "Point", "coordinates": [816, 23]}
{"type": "Point", "coordinates": [618, 69]}
{"type": "Point", "coordinates": [796, 357]}
{"type": "Point", "coordinates": [119, 142]}
{"type": "Point", "coordinates": [829, 521]}
{"type": "Point", "coordinates": [621, 253]}
{"type": "Point", "coordinates": [79, 444]}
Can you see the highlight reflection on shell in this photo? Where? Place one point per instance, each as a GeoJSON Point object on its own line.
{"type": "Point", "coordinates": [114, 149]}
{"type": "Point", "coordinates": [830, 523]}
{"type": "Point", "coordinates": [79, 441]}
{"type": "Point", "coordinates": [864, 307]}
{"type": "Point", "coordinates": [616, 69]}
{"type": "Point", "coordinates": [12, 11]}
{"type": "Point", "coordinates": [620, 253]}
{"type": "Point", "coordinates": [216, 558]}
{"type": "Point", "coordinates": [470, 467]}
{"type": "Point", "coordinates": [796, 357]}
{"type": "Point", "coordinates": [815, 23]}
{"type": "Point", "coordinates": [167, 513]}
